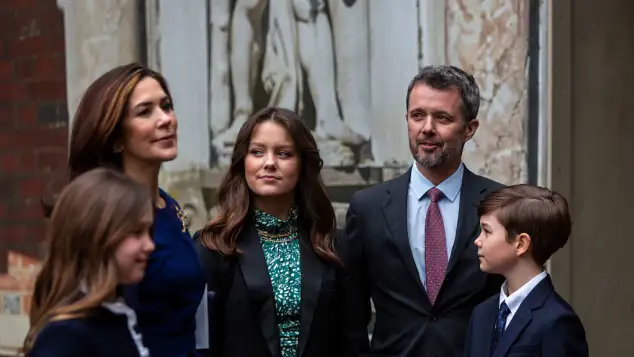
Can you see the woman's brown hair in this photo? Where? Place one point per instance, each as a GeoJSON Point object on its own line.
{"type": "Point", "coordinates": [316, 214]}
{"type": "Point", "coordinates": [92, 216]}
{"type": "Point", "coordinates": [97, 125]}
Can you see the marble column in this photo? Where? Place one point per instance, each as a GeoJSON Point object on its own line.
{"type": "Point", "coordinates": [183, 58]}
{"type": "Point", "coordinates": [184, 61]}
{"type": "Point", "coordinates": [99, 35]}
{"type": "Point", "coordinates": [489, 38]}
{"type": "Point", "coordinates": [393, 64]}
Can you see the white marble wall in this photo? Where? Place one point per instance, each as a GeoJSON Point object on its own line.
{"type": "Point", "coordinates": [490, 39]}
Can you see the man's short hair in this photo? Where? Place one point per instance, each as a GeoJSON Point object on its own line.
{"type": "Point", "coordinates": [444, 77]}
{"type": "Point", "coordinates": [539, 212]}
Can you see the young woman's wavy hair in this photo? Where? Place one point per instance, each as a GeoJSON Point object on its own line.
{"type": "Point", "coordinates": [92, 216]}
{"type": "Point", "coordinates": [316, 213]}
{"type": "Point", "coordinates": [98, 122]}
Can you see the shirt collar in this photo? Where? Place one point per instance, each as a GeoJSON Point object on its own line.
{"type": "Point", "coordinates": [514, 300]}
{"type": "Point", "coordinates": [450, 188]}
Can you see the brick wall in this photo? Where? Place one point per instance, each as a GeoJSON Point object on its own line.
{"type": "Point", "coordinates": [33, 120]}
{"type": "Point", "coordinates": [33, 148]}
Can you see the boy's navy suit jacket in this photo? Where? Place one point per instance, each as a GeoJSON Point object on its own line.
{"type": "Point", "coordinates": [544, 325]}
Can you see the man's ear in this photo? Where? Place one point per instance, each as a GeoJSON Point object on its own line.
{"type": "Point", "coordinates": [470, 129]}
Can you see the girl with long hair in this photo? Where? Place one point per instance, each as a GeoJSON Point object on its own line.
{"type": "Point", "coordinates": [273, 255]}
{"type": "Point", "coordinates": [126, 120]}
{"type": "Point", "coordinates": [98, 239]}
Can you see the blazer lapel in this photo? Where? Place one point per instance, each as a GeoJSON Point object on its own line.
{"type": "Point", "coordinates": [256, 276]}
{"type": "Point", "coordinates": [311, 287]}
{"type": "Point", "coordinates": [523, 316]}
{"type": "Point", "coordinates": [483, 336]}
{"type": "Point", "coordinates": [395, 210]}
{"type": "Point", "coordinates": [468, 220]}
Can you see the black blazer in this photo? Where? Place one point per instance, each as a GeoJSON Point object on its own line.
{"type": "Point", "coordinates": [544, 325]}
{"type": "Point", "coordinates": [383, 268]}
{"type": "Point", "coordinates": [242, 312]}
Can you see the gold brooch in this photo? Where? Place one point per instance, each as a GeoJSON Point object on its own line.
{"type": "Point", "coordinates": [182, 216]}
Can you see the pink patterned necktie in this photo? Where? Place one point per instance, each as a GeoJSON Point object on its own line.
{"type": "Point", "coordinates": [435, 246]}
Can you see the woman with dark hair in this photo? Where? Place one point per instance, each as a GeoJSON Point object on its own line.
{"type": "Point", "coordinates": [99, 238]}
{"type": "Point", "coordinates": [273, 255]}
{"type": "Point", "coordinates": [126, 121]}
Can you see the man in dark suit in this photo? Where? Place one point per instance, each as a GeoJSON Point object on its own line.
{"type": "Point", "coordinates": [411, 238]}
{"type": "Point", "coordinates": [522, 227]}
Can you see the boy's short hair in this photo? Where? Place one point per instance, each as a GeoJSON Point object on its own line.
{"type": "Point", "coordinates": [539, 212]}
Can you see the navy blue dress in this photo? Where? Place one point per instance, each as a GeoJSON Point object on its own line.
{"type": "Point", "coordinates": [107, 331]}
{"type": "Point", "coordinates": [168, 297]}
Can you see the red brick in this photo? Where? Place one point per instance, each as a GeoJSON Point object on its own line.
{"type": "Point", "coordinates": [44, 67]}
{"type": "Point", "coordinates": [20, 4]}
{"type": "Point", "coordinates": [16, 234]}
{"type": "Point", "coordinates": [52, 21]}
{"type": "Point", "coordinates": [48, 4]}
{"type": "Point", "coordinates": [6, 24]}
{"type": "Point", "coordinates": [9, 163]}
{"type": "Point", "coordinates": [55, 182]}
{"type": "Point", "coordinates": [24, 68]}
{"type": "Point", "coordinates": [30, 210]}
{"type": "Point", "coordinates": [6, 70]}
{"type": "Point", "coordinates": [31, 188]}
{"type": "Point", "coordinates": [47, 90]}
{"type": "Point", "coordinates": [27, 139]}
{"type": "Point", "coordinates": [8, 188]}
{"type": "Point", "coordinates": [28, 161]}
{"type": "Point", "coordinates": [50, 67]}
{"type": "Point", "coordinates": [41, 137]}
{"type": "Point", "coordinates": [27, 47]}
{"type": "Point", "coordinates": [52, 160]}
{"type": "Point", "coordinates": [12, 92]}
{"type": "Point", "coordinates": [32, 77]}
{"type": "Point", "coordinates": [5, 141]}
{"type": "Point", "coordinates": [27, 24]}
{"type": "Point", "coordinates": [36, 233]}
{"type": "Point", "coordinates": [37, 45]}
{"type": "Point", "coordinates": [6, 117]}
{"type": "Point", "coordinates": [27, 116]}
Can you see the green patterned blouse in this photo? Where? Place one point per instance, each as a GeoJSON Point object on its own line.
{"type": "Point", "coordinates": [280, 243]}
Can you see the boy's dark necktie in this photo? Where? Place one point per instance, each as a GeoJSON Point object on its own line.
{"type": "Point", "coordinates": [500, 324]}
{"type": "Point", "coordinates": [435, 246]}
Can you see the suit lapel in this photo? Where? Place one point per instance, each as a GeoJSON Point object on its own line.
{"type": "Point", "coordinates": [523, 316]}
{"type": "Point", "coordinates": [256, 276]}
{"type": "Point", "coordinates": [483, 336]}
{"type": "Point", "coordinates": [311, 287]}
{"type": "Point", "coordinates": [468, 221]}
{"type": "Point", "coordinates": [395, 210]}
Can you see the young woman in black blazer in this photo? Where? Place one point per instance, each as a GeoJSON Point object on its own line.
{"type": "Point", "coordinates": [99, 239]}
{"type": "Point", "coordinates": [273, 258]}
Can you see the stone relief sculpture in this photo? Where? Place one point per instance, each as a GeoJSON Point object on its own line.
{"type": "Point", "coordinates": [314, 56]}
{"type": "Point", "coordinates": [298, 57]}
{"type": "Point", "coordinates": [220, 101]}
{"type": "Point", "coordinates": [351, 33]}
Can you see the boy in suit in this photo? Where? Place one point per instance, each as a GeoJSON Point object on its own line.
{"type": "Point", "coordinates": [522, 226]}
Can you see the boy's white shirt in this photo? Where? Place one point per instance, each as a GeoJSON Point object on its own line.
{"type": "Point", "coordinates": [515, 300]}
